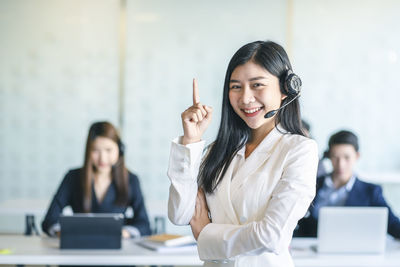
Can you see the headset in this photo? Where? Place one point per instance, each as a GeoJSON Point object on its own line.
{"type": "Point", "coordinates": [291, 87]}
{"type": "Point", "coordinates": [292, 84]}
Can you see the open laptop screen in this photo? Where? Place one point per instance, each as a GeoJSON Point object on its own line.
{"type": "Point", "coordinates": [91, 231]}
{"type": "Point", "coordinates": [352, 229]}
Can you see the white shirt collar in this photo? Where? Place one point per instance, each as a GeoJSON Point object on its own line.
{"type": "Point", "coordinates": [348, 186]}
{"type": "Point", "coordinates": [268, 141]}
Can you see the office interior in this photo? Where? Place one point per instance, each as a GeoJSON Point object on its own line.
{"type": "Point", "coordinates": [65, 64]}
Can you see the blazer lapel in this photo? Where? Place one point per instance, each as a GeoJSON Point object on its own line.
{"type": "Point", "coordinates": [224, 194]}
{"type": "Point", "coordinates": [256, 159]}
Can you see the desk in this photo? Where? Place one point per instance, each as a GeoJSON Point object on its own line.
{"type": "Point", "coordinates": [304, 256]}
{"type": "Point", "coordinates": [34, 250]}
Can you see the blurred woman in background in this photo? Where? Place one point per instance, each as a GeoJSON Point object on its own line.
{"type": "Point", "coordinates": [102, 185]}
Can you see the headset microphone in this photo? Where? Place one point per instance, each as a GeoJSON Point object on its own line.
{"type": "Point", "coordinates": [273, 112]}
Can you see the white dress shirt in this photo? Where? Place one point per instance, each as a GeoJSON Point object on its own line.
{"type": "Point", "coordinates": [256, 206]}
{"type": "Point", "coordinates": [329, 195]}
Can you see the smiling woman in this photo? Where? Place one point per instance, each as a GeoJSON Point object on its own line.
{"type": "Point", "coordinates": [244, 198]}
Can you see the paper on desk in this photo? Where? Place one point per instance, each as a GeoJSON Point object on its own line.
{"type": "Point", "coordinates": [161, 248]}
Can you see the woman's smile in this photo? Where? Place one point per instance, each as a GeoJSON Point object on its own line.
{"type": "Point", "coordinates": [252, 112]}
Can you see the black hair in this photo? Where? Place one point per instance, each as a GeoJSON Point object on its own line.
{"type": "Point", "coordinates": [306, 125]}
{"type": "Point", "coordinates": [340, 138]}
{"type": "Point", "coordinates": [233, 131]}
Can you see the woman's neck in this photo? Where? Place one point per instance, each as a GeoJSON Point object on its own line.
{"type": "Point", "coordinates": [102, 176]}
{"type": "Point", "coordinates": [257, 136]}
{"type": "Point", "coordinates": [101, 183]}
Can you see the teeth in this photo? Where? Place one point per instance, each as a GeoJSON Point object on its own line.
{"type": "Point", "coordinates": [249, 111]}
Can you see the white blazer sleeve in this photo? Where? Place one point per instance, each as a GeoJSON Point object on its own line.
{"type": "Point", "coordinates": [184, 163]}
{"type": "Point", "coordinates": [290, 200]}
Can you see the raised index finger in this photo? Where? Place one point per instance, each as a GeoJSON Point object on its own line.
{"type": "Point", "coordinates": [196, 97]}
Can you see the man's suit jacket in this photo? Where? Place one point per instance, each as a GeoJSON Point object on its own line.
{"type": "Point", "coordinates": [361, 195]}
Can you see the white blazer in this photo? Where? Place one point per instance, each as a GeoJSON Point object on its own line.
{"type": "Point", "coordinates": [255, 208]}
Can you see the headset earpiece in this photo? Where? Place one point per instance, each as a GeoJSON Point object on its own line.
{"type": "Point", "coordinates": [121, 148]}
{"type": "Point", "coordinates": [291, 87]}
{"type": "Point", "coordinates": [292, 84]}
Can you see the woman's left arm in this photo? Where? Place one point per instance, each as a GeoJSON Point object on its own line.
{"type": "Point", "coordinates": [140, 219]}
{"type": "Point", "coordinates": [290, 200]}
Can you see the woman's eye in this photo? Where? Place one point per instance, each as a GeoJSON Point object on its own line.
{"type": "Point", "coordinates": [257, 85]}
{"type": "Point", "coordinates": [235, 87]}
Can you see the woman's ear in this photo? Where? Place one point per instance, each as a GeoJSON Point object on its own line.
{"type": "Point", "coordinates": [283, 97]}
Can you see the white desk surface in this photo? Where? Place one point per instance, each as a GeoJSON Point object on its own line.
{"type": "Point", "coordinates": [304, 255]}
{"type": "Point", "coordinates": [36, 250]}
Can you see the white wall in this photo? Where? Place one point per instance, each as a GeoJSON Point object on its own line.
{"type": "Point", "coordinates": [348, 54]}
{"type": "Point", "coordinates": [58, 73]}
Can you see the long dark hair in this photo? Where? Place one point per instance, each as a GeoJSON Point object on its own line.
{"type": "Point", "coordinates": [119, 173]}
{"type": "Point", "coordinates": [233, 132]}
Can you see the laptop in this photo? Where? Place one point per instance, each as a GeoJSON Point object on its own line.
{"type": "Point", "coordinates": [91, 231]}
{"type": "Point", "coordinates": [352, 229]}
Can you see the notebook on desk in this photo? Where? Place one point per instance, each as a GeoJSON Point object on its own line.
{"type": "Point", "coordinates": [352, 229]}
{"type": "Point", "coordinates": [91, 231]}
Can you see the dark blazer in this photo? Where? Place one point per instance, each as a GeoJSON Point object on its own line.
{"type": "Point", "coordinates": [69, 193]}
{"type": "Point", "coordinates": [361, 195]}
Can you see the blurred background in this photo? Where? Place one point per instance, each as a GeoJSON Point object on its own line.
{"type": "Point", "coordinates": [67, 63]}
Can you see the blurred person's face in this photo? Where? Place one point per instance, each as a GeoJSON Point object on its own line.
{"type": "Point", "coordinates": [343, 158]}
{"type": "Point", "coordinates": [104, 154]}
